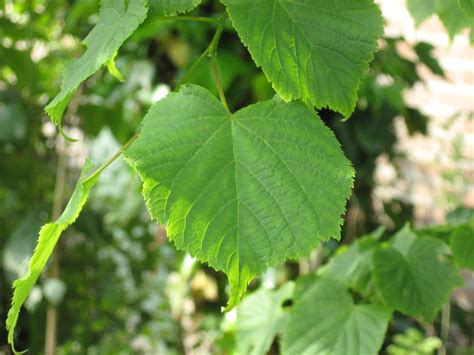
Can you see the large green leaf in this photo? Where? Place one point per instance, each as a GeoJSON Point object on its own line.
{"type": "Point", "coordinates": [325, 320]}
{"type": "Point", "coordinates": [48, 237]}
{"type": "Point", "coordinates": [241, 191]}
{"type": "Point", "coordinates": [414, 275]}
{"type": "Point", "coordinates": [420, 10]}
{"type": "Point", "coordinates": [171, 7]}
{"type": "Point", "coordinates": [118, 19]}
{"type": "Point", "coordinates": [462, 245]}
{"type": "Point", "coordinates": [314, 50]}
{"type": "Point", "coordinates": [260, 317]}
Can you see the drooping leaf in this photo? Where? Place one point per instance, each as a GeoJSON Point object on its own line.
{"type": "Point", "coordinates": [353, 266]}
{"type": "Point", "coordinates": [172, 7]}
{"type": "Point", "coordinates": [452, 16]}
{"type": "Point", "coordinates": [48, 237]}
{"type": "Point", "coordinates": [415, 275]}
{"type": "Point", "coordinates": [325, 320]}
{"type": "Point", "coordinates": [241, 191]}
{"type": "Point", "coordinates": [420, 10]}
{"type": "Point", "coordinates": [260, 318]}
{"type": "Point", "coordinates": [314, 50]}
{"type": "Point", "coordinates": [462, 245]}
{"type": "Point", "coordinates": [424, 52]}
{"type": "Point", "coordinates": [118, 19]}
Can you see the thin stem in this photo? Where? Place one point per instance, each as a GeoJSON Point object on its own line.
{"type": "Point", "coordinates": [217, 78]}
{"type": "Point", "coordinates": [189, 18]}
{"type": "Point", "coordinates": [214, 65]}
{"type": "Point", "coordinates": [211, 48]}
{"type": "Point", "coordinates": [193, 68]}
{"type": "Point", "coordinates": [111, 160]}
{"type": "Point", "coordinates": [445, 322]}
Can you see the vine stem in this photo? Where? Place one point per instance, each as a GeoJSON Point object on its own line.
{"type": "Point", "coordinates": [189, 18]}
{"type": "Point", "coordinates": [96, 173]}
{"type": "Point", "coordinates": [214, 63]}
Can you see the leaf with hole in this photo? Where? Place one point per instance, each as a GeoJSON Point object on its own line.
{"type": "Point", "coordinates": [241, 191]}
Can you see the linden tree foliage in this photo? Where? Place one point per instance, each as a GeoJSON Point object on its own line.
{"type": "Point", "coordinates": [237, 190]}
{"type": "Point", "coordinates": [48, 238]}
{"type": "Point", "coordinates": [247, 190]}
{"type": "Point", "coordinates": [325, 320]}
{"type": "Point", "coordinates": [320, 62]}
{"type": "Point", "coordinates": [455, 15]}
{"type": "Point", "coordinates": [415, 275]}
{"type": "Point", "coordinates": [118, 19]}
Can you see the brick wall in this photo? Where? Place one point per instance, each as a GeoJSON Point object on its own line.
{"type": "Point", "coordinates": [438, 172]}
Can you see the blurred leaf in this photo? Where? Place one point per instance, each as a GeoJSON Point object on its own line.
{"type": "Point", "coordinates": [420, 10]}
{"type": "Point", "coordinates": [412, 342]}
{"type": "Point", "coordinates": [414, 275]}
{"type": "Point", "coordinates": [462, 245]}
{"type": "Point", "coordinates": [424, 52]}
{"type": "Point", "coordinates": [325, 320]}
{"type": "Point", "coordinates": [260, 317]}
{"type": "Point", "coordinates": [416, 121]}
{"type": "Point", "coordinates": [452, 16]}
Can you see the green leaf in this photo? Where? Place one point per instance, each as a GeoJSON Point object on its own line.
{"type": "Point", "coordinates": [117, 21]}
{"type": "Point", "coordinates": [468, 7]}
{"type": "Point", "coordinates": [325, 320]}
{"type": "Point", "coordinates": [172, 7]}
{"type": "Point", "coordinates": [260, 318]}
{"type": "Point", "coordinates": [353, 267]}
{"type": "Point", "coordinates": [48, 237]}
{"type": "Point", "coordinates": [424, 52]}
{"type": "Point", "coordinates": [414, 275]}
{"type": "Point", "coordinates": [420, 10]}
{"type": "Point", "coordinates": [314, 50]}
{"type": "Point", "coordinates": [462, 245]}
{"type": "Point", "coordinates": [241, 191]}
{"type": "Point", "coordinates": [452, 16]}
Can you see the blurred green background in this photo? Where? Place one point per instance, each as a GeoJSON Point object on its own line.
{"type": "Point", "coordinates": [118, 286]}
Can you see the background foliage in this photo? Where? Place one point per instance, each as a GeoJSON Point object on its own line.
{"type": "Point", "coordinates": [122, 288]}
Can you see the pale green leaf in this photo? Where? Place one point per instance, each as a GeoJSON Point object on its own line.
{"type": "Point", "coordinates": [172, 7]}
{"type": "Point", "coordinates": [415, 275]}
{"type": "Point", "coordinates": [241, 191]}
{"type": "Point", "coordinates": [260, 317]}
{"type": "Point", "coordinates": [462, 245]}
{"type": "Point", "coordinates": [314, 50]}
{"type": "Point", "coordinates": [420, 10]}
{"type": "Point", "coordinates": [452, 16]}
{"type": "Point", "coordinates": [118, 19]}
{"type": "Point", "coordinates": [48, 237]}
{"type": "Point", "coordinates": [325, 320]}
